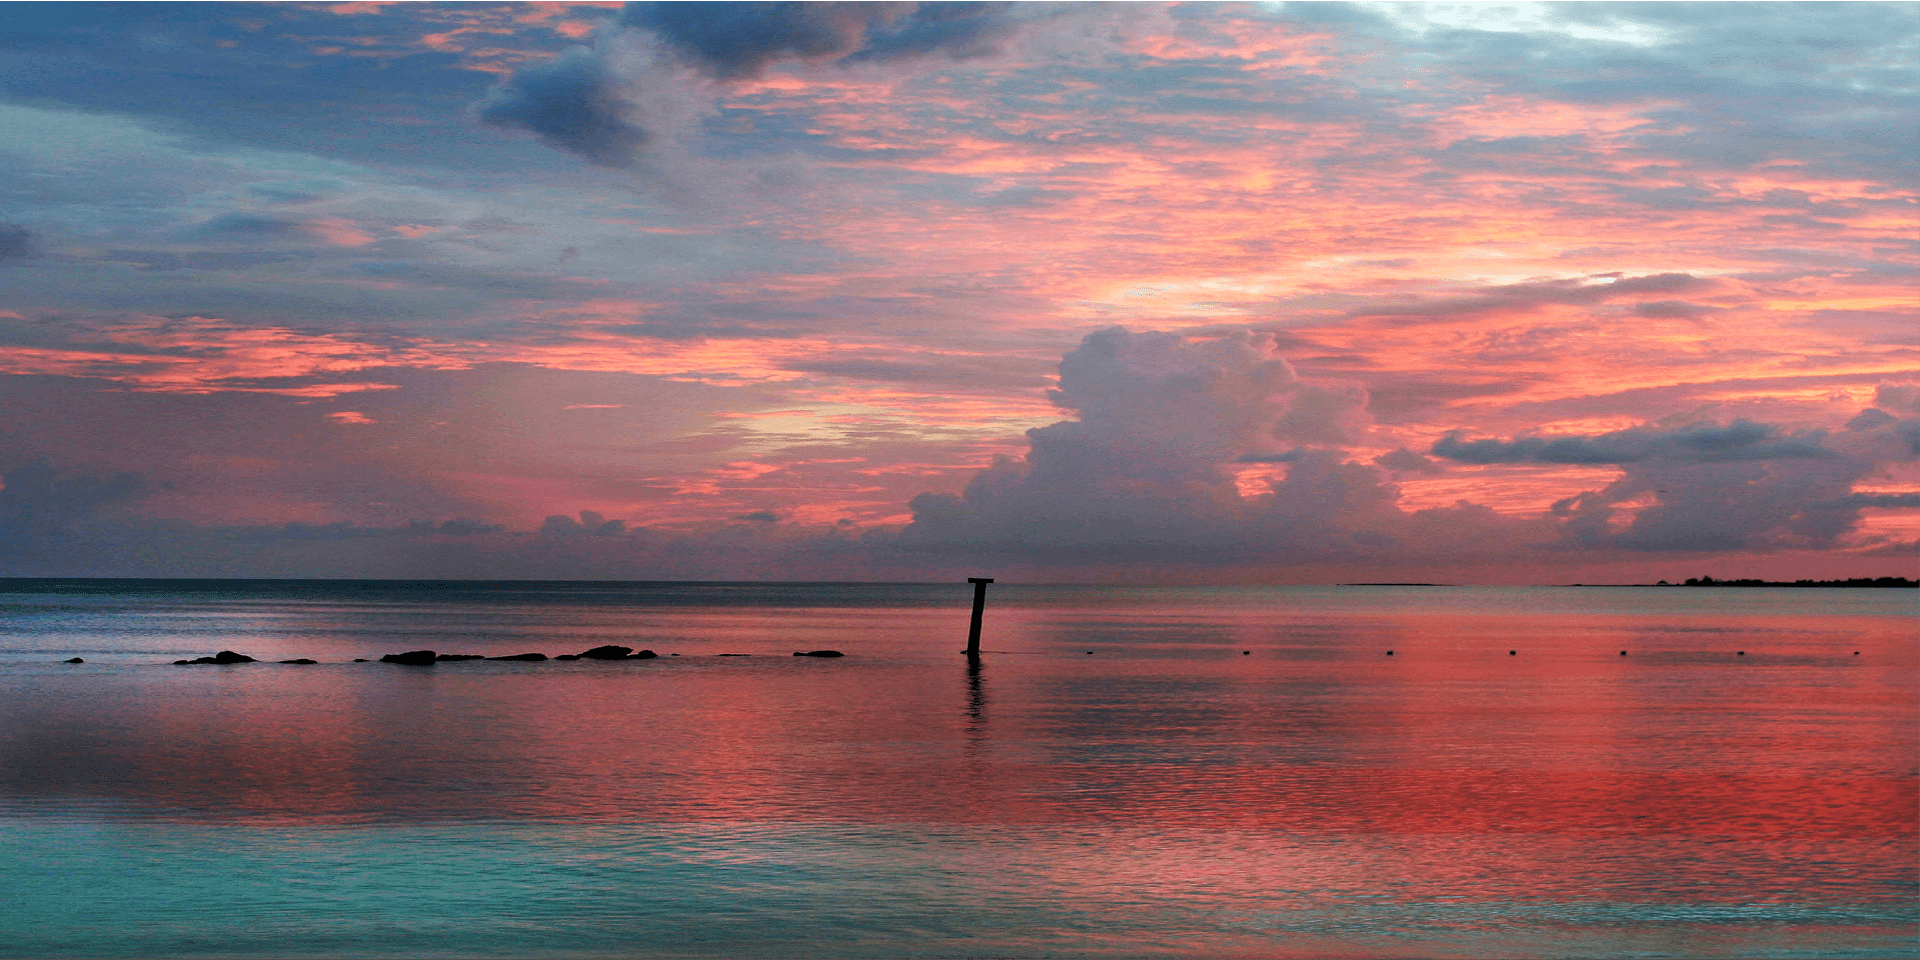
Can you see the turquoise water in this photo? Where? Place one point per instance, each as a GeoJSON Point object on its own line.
{"type": "Point", "coordinates": [1162, 772]}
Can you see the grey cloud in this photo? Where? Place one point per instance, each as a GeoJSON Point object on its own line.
{"type": "Point", "coordinates": [519, 283]}
{"type": "Point", "coordinates": [40, 503]}
{"type": "Point", "coordinates": [1909, 430]}
{"type": "Point", "coordinates": [1728, 505]}
{"type": "Point", "coordinates": [1882, 500]}
{"type": "Point", "coordinates": [1406, 461]}
{"type": "Point", "coordinates": [1703, 442]}
{"type": "Point", "coordinates": [573, 103]}
{"type": "Point", "coordinates": [612, 105]}
{"type": "Point", "coordinates": [737, 40]}
{"type": "Point", "coordinates": [591, 523]}
{"type": "Point", "coordinates": [249, 227]}
{"type": "Point", "coordinates": [1530, 295]}
{"type": "Point", "coordinates": [970, 373]}
{"type": "Point", "coordinates": [1284, 456]}
{"type": "Point", "coordinates": [16, 243]}
{"type": "Point", "coordinates": [455, 528]}
{"type": "Point", "coordinates": [1870, 418]}
{"type": "Point", "coordinates": [1325, 413]}
{"type": "Point", "coordinates": [1904, 397]}
{"type": "Point", "coordinates": [1142, 473]}
{"type": "Point", "coordinates": [198, 260]}
{"type": "Point", "coordinates": [1679, 309]}
{"type": "Point", "coordinates": [1712, 487]}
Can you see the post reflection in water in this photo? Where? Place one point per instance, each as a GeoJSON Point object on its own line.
{"type": "Point", "coordinates": [1167, 796]}
{"type": "Point", "coordinates": [976, 700]}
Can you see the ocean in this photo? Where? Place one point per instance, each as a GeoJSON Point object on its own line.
{"type": "Point", "coordinates": [1366, 771]}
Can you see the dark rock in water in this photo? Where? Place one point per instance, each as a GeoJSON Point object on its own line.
{"type": "Point", "coordinates": [444, 657]}
{"type": "Point", "coordinates": [527, 657]}
{"type": "Point", "coordinates": [568, 656]}
{"type": "Point", "coordinates": [359, 659]}
{"type": "Point", "coordinates": [608, 652]}
{"type": "Point", "coordinates": [300, 660]}
{"type": "Point", "coordinates": [643, 655]}
{"type": "Point", "coordinates": [414, 658]}
{"type": "Point", "coordinates": [76, 660]}
{"type": "Point", "coordinates": [733, 654]}
{"type": "Point", "coordinates": [223, 657]}
{"type": "Point", "coordinates": [818, 653]}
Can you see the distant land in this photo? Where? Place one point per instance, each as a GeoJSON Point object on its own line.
{"type": "Point", "coordinates": [1855, 582]}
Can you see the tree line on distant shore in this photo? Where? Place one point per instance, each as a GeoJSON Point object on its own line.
{"type": "Point", "coordinates": [1855, 582]}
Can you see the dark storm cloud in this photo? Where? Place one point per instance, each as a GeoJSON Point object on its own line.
{"type": "Point", "coordinates": [1703, 442]}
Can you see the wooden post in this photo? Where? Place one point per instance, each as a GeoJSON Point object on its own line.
{"type": "Point", "coordinates": [979, 607]}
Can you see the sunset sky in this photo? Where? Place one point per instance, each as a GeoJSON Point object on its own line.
{"type": "Point", "coordinates": [1281, 292]}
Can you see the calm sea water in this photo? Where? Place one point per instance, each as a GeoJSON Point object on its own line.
{"type": "Point", "coordinates": [1129, 772]}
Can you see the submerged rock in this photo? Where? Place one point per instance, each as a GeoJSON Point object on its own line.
{"type": "Point", "coordinates": [76, 660]}
{"type": "Point", "coordinates": [527, 657]}
{"type": "Point", "coordinates": [444, 657]}
{"type": "Point", "coordinates": [818, 653]}
{"type": "Point", "coordinates": [223, 657]}
{"type": "Point", "coordinates": [412, 658]}
{"type": "Point", "coordinates": [300, 660]}
{"type": "Point", "coordinates": [568, 656]}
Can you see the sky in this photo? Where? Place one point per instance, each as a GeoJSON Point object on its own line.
{"type": "Point", "coordinates": [1136, 292]}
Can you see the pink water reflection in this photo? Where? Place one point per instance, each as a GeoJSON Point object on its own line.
{"type": "Point", "coordinates": [1165, 764]}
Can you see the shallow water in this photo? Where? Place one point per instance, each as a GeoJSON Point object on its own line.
{"type": "Point", "coordinates": [1129, 772]}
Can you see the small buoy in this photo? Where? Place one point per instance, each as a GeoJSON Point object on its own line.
{"type": "Point", "coordinates": [1740, 653]}
{"type": "Point", "coordinates": [1513, 653]}
{"type": "Point", "coordinates": [1246, 653]}
{"type": "Point", "coordinates": [1856, 653]}
{"type": "Point", "coordinates": [1623, 653]}
{"type": "Point", "coordinates": [1089, 653]}
{"type": "Point", "coordinates": [1389, 653]}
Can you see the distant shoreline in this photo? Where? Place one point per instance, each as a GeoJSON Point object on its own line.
{"type": "Point", "coordinates": [277, 584]}
{"type": "Point", "coordinates": [1856, 582]}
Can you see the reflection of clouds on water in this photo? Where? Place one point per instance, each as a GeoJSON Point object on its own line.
{"type": "Point", "coordinates": [1167, 721]}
